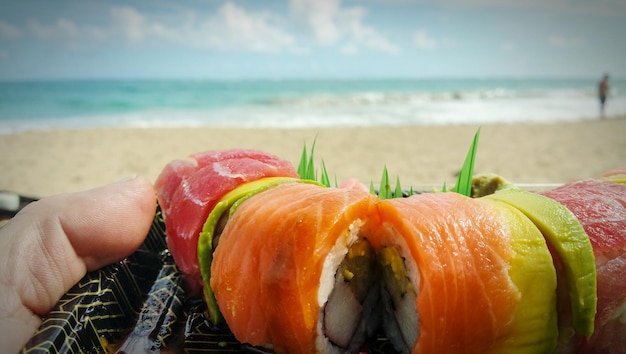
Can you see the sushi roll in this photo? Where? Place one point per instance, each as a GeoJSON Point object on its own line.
{"type": "Point", "coordinates": [464, 275]}
{"type": "Point", "coordinates": [295, 267]}
{"type": "Point", "coordinates": [304, 269]}
{"type": "Point", "coordinates": [294, 272]}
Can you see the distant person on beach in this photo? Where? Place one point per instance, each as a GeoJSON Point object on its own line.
{"type": "Point", "coordinates": [603, 91]}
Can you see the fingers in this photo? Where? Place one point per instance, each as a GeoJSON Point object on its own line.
{"type": "Point", "coordinates": [107, 224]}
{"type": "Point", "coordinates": [50, 245]}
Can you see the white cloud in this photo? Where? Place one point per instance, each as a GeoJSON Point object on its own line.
{"type": "Point", "coordinates": [332, 24]}
{"type": "Point", "coordinates": [132, 24]}
{"type": "Point", "coordinates": [62, 29]}
{"type": "Point", "coordinates": [423, 40]}
{"type": "Point", "coordinates": [8, 31]}
{"type": "Point", "coordinates": [351, 21]}
{"type": "Point", "coordinates": [235, 28]}
{"type": "Point", "coordinates": [229, 28]}
{"type": "Point", "coordinates": [66, 31]}
{"type": "Point", "coordinates": [320, 17]}
{"type": "Point", "coordinates": [563, 42]}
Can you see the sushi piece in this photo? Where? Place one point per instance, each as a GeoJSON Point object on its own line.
{"type": "Point", "coordinates": [294, 272]}
{"type": "Point", "coordinates": [214, 225]}
{"type": "Point", "coordinates": [464, 275]}
{"type": "Point", "coordinates": [187, 190]}
{"type": "Point", "coordinates": [600, 205]}
{"type": "Point", "coordinates": [588, 251]}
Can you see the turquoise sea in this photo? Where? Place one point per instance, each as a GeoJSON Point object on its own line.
{"type": "Point", "coordinates": [36, 105]}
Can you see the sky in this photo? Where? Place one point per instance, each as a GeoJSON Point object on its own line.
{"type": "Point", "coordinates": [311, 39]}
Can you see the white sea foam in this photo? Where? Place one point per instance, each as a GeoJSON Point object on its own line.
{"type": "Point", "coordinates": [305, 104]}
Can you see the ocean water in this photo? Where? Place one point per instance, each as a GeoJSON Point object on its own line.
{"type": "Point", "coordinates": [293, 103]}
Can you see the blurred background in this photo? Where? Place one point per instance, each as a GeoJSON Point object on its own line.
{"type": "Point", "coordinates": [307, 63]}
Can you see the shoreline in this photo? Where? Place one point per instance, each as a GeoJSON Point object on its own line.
{"type": "Point", "coordinates": [41, 163]}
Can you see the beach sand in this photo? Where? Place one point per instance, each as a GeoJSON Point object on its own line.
{"type": "Point", "coordinates": [49, 162]}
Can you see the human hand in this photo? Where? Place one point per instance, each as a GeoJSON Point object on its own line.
{"type": "Point", "coordinates": [51, 244]}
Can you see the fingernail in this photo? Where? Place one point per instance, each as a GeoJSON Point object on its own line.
{"type": "Point", "coordinates": [127, 178]}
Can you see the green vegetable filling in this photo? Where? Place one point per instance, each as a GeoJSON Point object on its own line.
{"type": "Point", "coordinates": [359, 268]}
{"type": "Point", "coordinates": [394, 274]}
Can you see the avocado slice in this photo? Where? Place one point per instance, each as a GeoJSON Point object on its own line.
{"type": "Point", "coordinates": [535, 327]}
{"type": "Point", "coordinates": [568, 239]}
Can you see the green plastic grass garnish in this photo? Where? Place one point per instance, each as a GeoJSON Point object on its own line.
{"type": "Point", "coordinates": [384, 190]}
{"type": "Point", "coordinates": [324, 179]}
{"type": "Point", "coordinates": [464, 181]}
{"type": "Point", "coordinates": [398, 191]}
{"type": "Point", "coordinates": [306, 167]}
{"type": "Point", "coordinates": [303, 165]}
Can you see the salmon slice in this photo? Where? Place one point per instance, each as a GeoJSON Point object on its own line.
{"type": "Point", "coordinates": [277, 265]}
{"type": "Point", "coordinates": [481, 272]}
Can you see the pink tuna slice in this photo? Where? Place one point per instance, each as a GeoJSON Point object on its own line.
{"type": "Point", "coordinates": [600, 206]}
{"type": "Point", "coordinates": [188, 191]}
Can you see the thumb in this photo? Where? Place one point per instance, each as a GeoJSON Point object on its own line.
{"type": "Point", "coordinates": [51, 244]}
